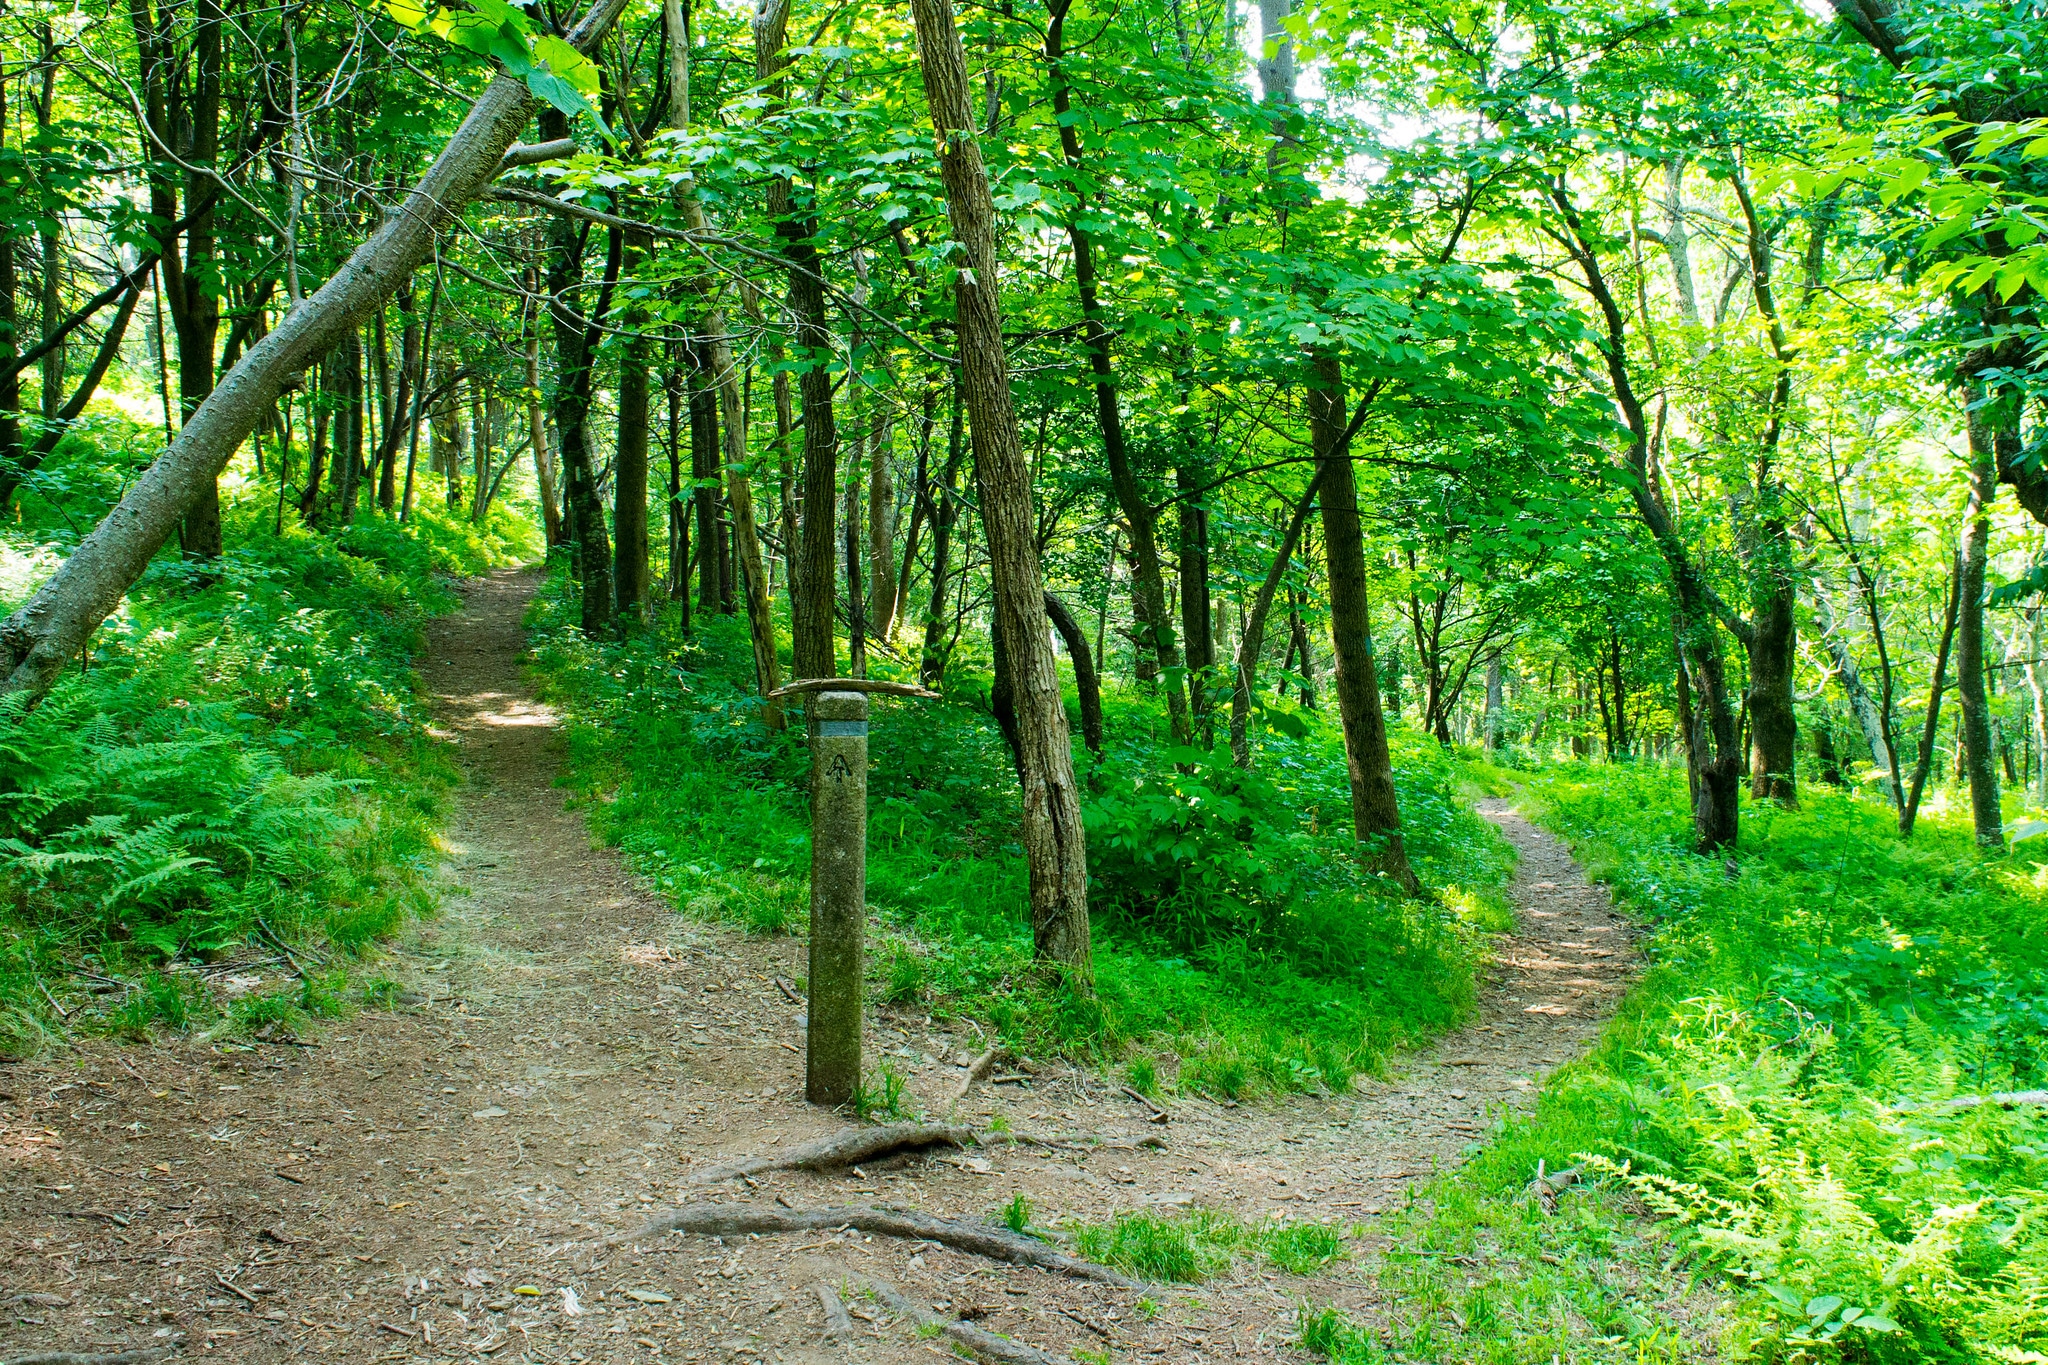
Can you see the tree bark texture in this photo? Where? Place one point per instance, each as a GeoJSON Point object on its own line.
{"type": "Point", "coordinates": [1375, 810]}
{"type": "Point", "coordinates": [1054, 844]}
{"type": "Point", "coordinates": [1993, 422]}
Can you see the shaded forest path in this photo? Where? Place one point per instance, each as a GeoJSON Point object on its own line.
{"type": "Point", "coordinates": [430, 1182]}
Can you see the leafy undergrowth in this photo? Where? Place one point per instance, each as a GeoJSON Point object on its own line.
{"type": "Point", "coordinates": [1777, 1131]}
{"type": "Point", "coordinates": [244, 762]}
{"type": "Point", "coordinates": [1235, 935]}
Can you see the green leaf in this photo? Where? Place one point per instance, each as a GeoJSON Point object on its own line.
{"type": "Point", "coordinates": [408, 13]}
{"type": "Point", "coordinates": [1823, 1307]}
{"type": "Point", "coordinates": [566, 62]}
{"type": "Point", "coordinates": [1910, 177]}
{"type": "Point", "coordinates": [1876, 1322]}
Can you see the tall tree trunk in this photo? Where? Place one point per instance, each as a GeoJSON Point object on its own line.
{"type": "Point", "coordinates": [41, 638]}
{"type": "Point", "coordinates": [10, 344]}
{"type": "Point", "coordinates": [181, 89]}
{"type": "Point", "coordinates": [931, 669]}
{"type": "Point", "coordinates": [676, 383]}
{"type": "Point", "coordinates": [2037, 689]}
{"type": "Point", "coordinates": [398, 411]}
{"type": "Point", "coordinates": [731, 415]}
{"type": "Point", "coordinates": [629, 467]}
{"type": "Point", "coordinates": [349, 445]}
{"type": "Point", "coordinates": [881, 531]}
{"type": "Point", "coordinates": [573, 317]}
{"type": "Point", "coordinates": [1148, 579]}
{"type": "Point", "coordinates": [814, 578]}
{"type": "Point", "coordinates": [1253, 642]}
{"type": "Point", "coordinates": [1375, 810]}
{"type": "Point", "coordinates": [317, 403]}
{"type": "Point", "coordinates": [704, 469]}
{"type": "Point", "coordinates": [1869, 717]}
{"type": "Point", "coordinates": [1051, 830]}
{"type": "Point", "coordinates": [856, 610]}
{"type": "Point", "coordinates": [1923, 762]}
{"type": "Point", "coordinates": [1993, 422]}
{"type": "Point", "coordinates": [1492, 724]}
{"type": "Point", "coordinates": [537, 437]}
{"type": "Point", "coordinates": [1197, 623]}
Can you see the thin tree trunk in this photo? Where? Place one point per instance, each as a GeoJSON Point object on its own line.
{"type": "Point", "coordinates": [814, 578]}
{"type": "Point", "coordinates": [1492, 724]}
{"type": "Point", "coordinates": [1713, 749]}
{"type": "Point", "coordinates": [1051, 830]}
{"type": "Point", "coordinates": [704, 470]}
{"type": "Point", "coordinates": [1197, 623]}
{"type": "Point", "coordinates": [537, 437]}
{"type": "Point", "coordinates": [856, 612]}
{"type": "Point", "coordinates": [1375, 810]}
{"type": "Point", "coordinates": [931, 668]}
{"type": "Point", "coordinates": [1253, 642]}
{"type": "Point", "coordinates": [881, 532]}
{"type": "Point", "coordinates": [572, 315]}
{"type": "Point", "coordinates": [1988, 425]}
{"type": "Point", "coordinates": [676, 385]}
{"type": "Point", "coordinates": [1087, 687]}
{"type": "Point", "coordinates": [629, 467]}
{"type": "Point", "coordinates": [1923, 762]}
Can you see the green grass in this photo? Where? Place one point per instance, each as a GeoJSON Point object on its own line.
{"type": "Point", "coordinates": [245, 759]}
{"type": "Point", "coordinates": [1235, 934]}
{"type": "Point", "coordinates": [1203, 1243]}
{"type": "Point", "coordinates": [1768, 1158]}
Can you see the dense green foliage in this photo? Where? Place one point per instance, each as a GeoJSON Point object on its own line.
{"type": "Point", "coordinates": [1237, 930]}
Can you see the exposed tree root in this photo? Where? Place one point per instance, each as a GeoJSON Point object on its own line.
{"type": "Point", "coordinates": [980, 1068]}
{"type": "Point", "coordinates": [93, 1358]}
{"type": "Point", "coordinates": [984, 1344]}
{"type": "Point", "coordinates": [838, 1326]}
{"type": "Point", "coordinates": [979, 1239]}
{"type": "Point", "coordinates": [842, 1149]}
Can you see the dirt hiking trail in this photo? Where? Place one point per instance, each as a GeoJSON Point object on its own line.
{"type": "Point", "coordinates": [431, 1182]}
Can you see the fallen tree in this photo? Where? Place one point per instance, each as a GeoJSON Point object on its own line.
{"type": "Point", "coordinates": [39, 640]}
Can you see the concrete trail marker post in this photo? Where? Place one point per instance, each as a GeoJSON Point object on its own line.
{"type": "Point", "coordinates": [838, 724]}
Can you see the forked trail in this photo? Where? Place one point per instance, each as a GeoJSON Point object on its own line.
{"type": "Point", "coordinates": [433, 1183]}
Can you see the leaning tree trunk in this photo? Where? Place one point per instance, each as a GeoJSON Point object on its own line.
{"type": "Point", "coordinates": [1713, 749]}
{"type": "Point", "coordinates": [1148, 579]}
{"type": "Point", "coordinates": [1087, 686]}
{"type": "Point", "coordinates": [1053, 841]}
{"type": "Point", "coordinates": [44, 635]}
{"type": "Point", "coordinates": [1254, 642]}
{"type": "Point", "coordinates": [1375, 810]}
{"type": "Point", "coordinates": [1988, 423]}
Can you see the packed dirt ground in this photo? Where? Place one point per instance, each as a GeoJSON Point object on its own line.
{"type": "Point", "coordinates": [437, 1181]}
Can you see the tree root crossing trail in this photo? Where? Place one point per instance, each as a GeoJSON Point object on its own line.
{"type": "Point", "coordinates": [437, 1180]}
